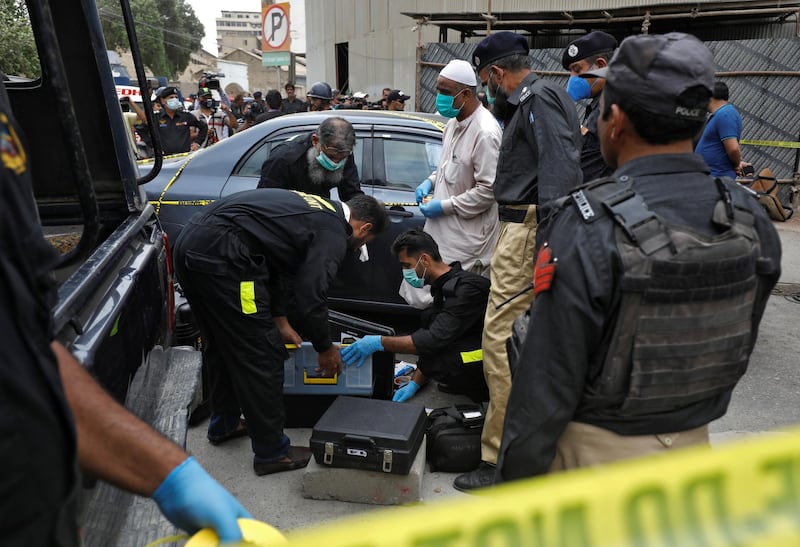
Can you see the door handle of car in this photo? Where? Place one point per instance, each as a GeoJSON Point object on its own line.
{"type": "Point", "coordinates": [399, 212]}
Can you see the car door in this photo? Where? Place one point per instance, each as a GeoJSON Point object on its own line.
{"type": "Point", "coordinates": [402, 158]}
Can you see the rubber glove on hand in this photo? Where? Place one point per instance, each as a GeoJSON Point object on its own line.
{"type": "Point", "coordinates": [356, 353]}
{"type": "Point", "coordinates": [406, 392]}
{"type": "Point", "coordinates": [191, 500]}
{"type": "Point", "coordinates": [423, 189]}
{"type": "Point", "coordinates": [432, 209]}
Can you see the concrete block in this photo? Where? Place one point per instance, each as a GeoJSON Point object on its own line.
{"type": "Point", "coordinates": [331, 483]}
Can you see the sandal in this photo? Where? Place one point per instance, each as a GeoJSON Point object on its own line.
{"type": "Point", "coordinates": [298, 457]}
{"type": "Point", "coordinates": [240, 431]}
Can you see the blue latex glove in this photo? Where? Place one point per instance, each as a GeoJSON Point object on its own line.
{"type": "Point", "coordinates": [432, 209]}
{"type": "Point", "coordinates": [192, 500]}
{"type": "Point", "coordinates": [356, 353]}
{"type": "Point", "coordinates": [406, 392]}
{"type": "Point", "coordinates": [423, 189]}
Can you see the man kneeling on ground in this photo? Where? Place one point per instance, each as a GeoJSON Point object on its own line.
{"type": "Point", "coordinates": [449, 341]}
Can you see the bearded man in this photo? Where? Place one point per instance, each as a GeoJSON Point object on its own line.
{"type": "Point", "coordinates": [316, 162]}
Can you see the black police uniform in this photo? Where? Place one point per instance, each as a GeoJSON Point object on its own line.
{"type": "Point", "coordinates": [449, 342]}
{"type": "Point", "coordinates": [287, 167]}
{"type": "Point", "coordinates": [38, 487]}
{"type": "Point", "coordinates": [571, 324]}
{"type": "Point", "coordinates": [593, 165]}
{"type": "Point", "coordinates": [539, 159]}
{"type": "Point", "coordinates": [233, 260]}
{"type": "Point", "coordinates": [175, 134]}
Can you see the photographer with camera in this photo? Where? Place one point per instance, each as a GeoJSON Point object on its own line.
{"type": "Point", "coordinates": [220, 120]}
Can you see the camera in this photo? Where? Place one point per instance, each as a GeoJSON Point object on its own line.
{"type": "Point", "coordinates": [211, 80]}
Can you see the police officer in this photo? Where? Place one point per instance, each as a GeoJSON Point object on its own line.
{"type": "Point", "coordinates": [234, 260]}
{"type": "Point", "coordinates": [584, 54]}
{"type": "Point", "coordinates": [648, 303]}
{"type": "Point", "coordinates": [174, 125]}
{"type": "Point", "coordinates": [449, 340]}
{"type": "Point", "coordinates": [539, 161]}
{"type": "Point", "coordinates": [50, 406]}
{"type": "Point", "coordinates": [319, 97]}
{"type": "Point", "coordinates": [316, 162]}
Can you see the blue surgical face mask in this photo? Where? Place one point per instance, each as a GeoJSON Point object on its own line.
{"type": "Point", "coordinates": [489, 96]}
{"type": "Point", "coordinates": [578, 88]}
{"type": "Point", "coordinates": [411, 277]}
{"type": "Point", "coordinates": [328, 163]}
{"type": "Point", "coordinates": [174, 103]}
{"type": "Point", "coordinates": [444, 104]}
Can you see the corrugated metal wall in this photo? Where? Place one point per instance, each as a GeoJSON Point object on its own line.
{"type": "Point", "coordinates": [480, 6]}
{"type": "Point", "coordinates": [768, 104]}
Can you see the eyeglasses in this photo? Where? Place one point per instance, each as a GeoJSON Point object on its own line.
{"type": "Point", "coordinates": [336, 154]}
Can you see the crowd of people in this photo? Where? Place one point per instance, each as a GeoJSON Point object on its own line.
{"type": "Point", "coordinates": [596, 282]}
{"type": "Point", "coordinates": [219, 117]}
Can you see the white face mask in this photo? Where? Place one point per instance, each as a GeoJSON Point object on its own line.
{"type": "Point", "coordinates": [174, 103]}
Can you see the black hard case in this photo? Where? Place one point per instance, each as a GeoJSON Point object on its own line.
{"type": "Point", "coordinates": [369, 434]}
{"type": "Point", "coordinates": [305, 410]}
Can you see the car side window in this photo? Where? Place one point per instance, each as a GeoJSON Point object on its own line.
{"type": "Point", "coordinates": [252, 165]}
{"type": "Point", "coordinates": [408, 162]}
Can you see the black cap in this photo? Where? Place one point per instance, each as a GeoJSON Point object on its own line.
{"type": "Point", "coordinates": [257, 94]}
{"type": "Point", "coordinates": [397, 95]}
{"type": "Point", "coordinates": [496, 46]}
{"type": "Point", "coordinates": [653, 70]}
{"type": "Point", "coordinates": [204, 91]}
{"type": "Point", "coordinates": [167, 91]}
{"type": "Point", "coordinates": [586, 46]}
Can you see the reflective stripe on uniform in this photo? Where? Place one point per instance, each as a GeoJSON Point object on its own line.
{"type": "Point", "coordinates": [472, 356]}
{"type": "Point", "coordinates": [247, 294]}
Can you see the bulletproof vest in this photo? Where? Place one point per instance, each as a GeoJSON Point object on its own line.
{"type": "Point", "coordinates": [684, 325]}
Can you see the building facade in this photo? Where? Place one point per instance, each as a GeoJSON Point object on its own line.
{"type": "Point", "coordinates": [239, 30]}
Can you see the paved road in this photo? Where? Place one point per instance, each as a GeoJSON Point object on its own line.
{"type": "Point", "coordinates": [766, 400]}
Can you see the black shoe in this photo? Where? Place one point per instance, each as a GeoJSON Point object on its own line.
{"type": "Point", "coordinates": [445, 388]}
{"type": "Point", "coordinates": [297, 458]}
{"type": "Point", "coordinates": [240, 431]}
{"type": "Point", "coordinates": [481, 477]}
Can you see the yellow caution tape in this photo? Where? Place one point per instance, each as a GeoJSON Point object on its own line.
{"type": "Point", "coordinates": [183, 202]}
{"type": "Point", "coordinates": [747, 493]}
{"type": "Point", "coordinates": [776, 144]}
{"type": "Point", "coordinates": [255, 533]}
{"type": "Point", "coordinates": [157, 203]}
{"type": "Point", "coordinates": [145, 161]}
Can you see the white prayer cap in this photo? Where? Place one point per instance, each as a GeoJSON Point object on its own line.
{"type": "Point", "coordinates": [459, 71]}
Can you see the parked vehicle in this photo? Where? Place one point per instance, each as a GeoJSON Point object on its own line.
{"type": "Point", "coordinates": [394, 152]}
{"type": "Point", "coordinates": [115, 298]}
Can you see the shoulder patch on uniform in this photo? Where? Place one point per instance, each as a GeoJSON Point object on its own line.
{"type": "Point", "coordinates": [544, 270]}
{"type": "Point", "coordinates": [11, 150]}
{"type": "Point", "coordinates": [526, 92]}
{"type": "Point", "coordinates": [583, 204]}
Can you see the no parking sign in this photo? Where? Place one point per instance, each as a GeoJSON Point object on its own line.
{"type": "Point", "coordinates": [276, 39]}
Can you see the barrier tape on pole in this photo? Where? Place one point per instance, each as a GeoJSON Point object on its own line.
{"type": "Point", "coordinates": [775, 144]}
{"type": "Point", "coordinates": [746, 493]}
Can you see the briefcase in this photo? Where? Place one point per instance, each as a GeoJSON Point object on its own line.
{"type": "Point", "coordinates": [369, 434]}
{"type": "Point", "coordinates": [307, 398]}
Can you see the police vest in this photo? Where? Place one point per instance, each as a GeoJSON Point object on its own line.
{"type": "Point", "coordinates": [684, 326]}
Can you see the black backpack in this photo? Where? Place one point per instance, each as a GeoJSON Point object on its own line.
{"type": "Point", "coordinates": [454, 437]}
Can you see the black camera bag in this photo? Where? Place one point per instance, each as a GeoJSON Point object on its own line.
{"type": "Point", "coordinates": [454, 437]}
